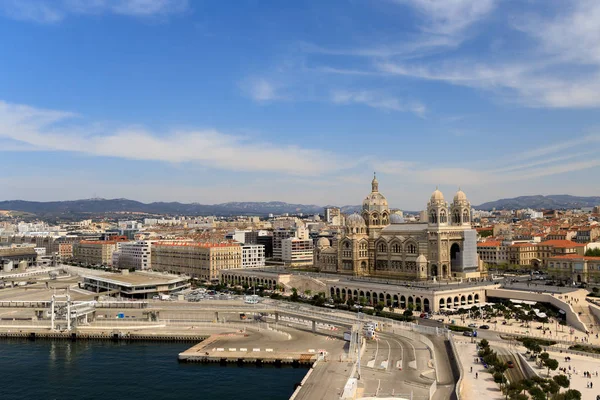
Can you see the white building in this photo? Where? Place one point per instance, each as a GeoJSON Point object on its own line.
{"type": "Point", "coordinates": [297, 252]}
{"type": "Point", "coordinates": [253, 255]}
{"type": "Point", "coordinates": [135, 255]}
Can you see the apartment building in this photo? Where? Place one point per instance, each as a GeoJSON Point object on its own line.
{"type": "Point", "coordinates": [575, 268]}
{"type": "Point", "coordinates": [253, 255]}
{"type": "Point", "coordinates": [587, 234]}
{"type": "Point", "coordinates": [278, 236]}
{"type": "Point", "coordinates": [95, 252]}
{"type": "Point", "coordinates": [297, 252]}
{"type": "Point", "coordinates": [522, 254]}
{"type": "Point", "coordinates": [135, 255]}
{"type": "Point", "coordinates": [553, 248]}
{"type": "Point", "coordinates": [493, 252]}
{"type": "Point", "coordinates": [198, 260]}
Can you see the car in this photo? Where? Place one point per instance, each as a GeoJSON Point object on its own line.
{"type": "Point", "coordinates": [468, 333]}
{"type": "Point", "coordinates": [472, 325]}
{"type": "Point", "coordinates": [510, 364]}
{"type": "Point", "coordinates": [484, 327]}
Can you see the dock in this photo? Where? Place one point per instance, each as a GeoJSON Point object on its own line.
{"type": "Point", "coordinates": [219, 349]}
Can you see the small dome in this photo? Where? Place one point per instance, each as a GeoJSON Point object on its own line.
{"type": "Point", "coordinates": [396, 219]}
{"type": "Point", "coordinates": [437, 196]}
{"type": "Point", "coordinates": [460, 196]}
{"type": "Point", "coordinates": [323, 242]}
{"type": "Point", "coordinates": [355, 220]}
{"type": "Point", "coordinates": [421, 259]}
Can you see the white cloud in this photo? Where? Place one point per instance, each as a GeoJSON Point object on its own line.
{"type": "Point", "coordinates": [450, 17]}
{"type": "Point", "coordinates": [52, 11]}
{"type": "Point", "coordinates": [376, 100]}
{"type": "Point", "coordinates": [541, 162]}
{"type": "Point", "coordinates": [261, 89]}
{"type": "Point", "coordinates": [48, 130]}
{"type": "Point", "coordinates": [561, 71]}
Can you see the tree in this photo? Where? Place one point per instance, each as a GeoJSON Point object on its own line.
{"type": "Point", "coordinates": [294, 296]}
{"type": "Point", "coordinates": [593, 252]}
{"type": "Point", "coordinates": [308, 292]}
{"type": "Point", "coordinates": [362, 301]}
{"type": "Point", "coordinates": [537, 393]}
{"type": "Point", "coordinates": [379, 306]}
{"type": "Point", "coordinates": [562, 381]}
{"type": "Point", "coordinates": [408, 312]}
{"type": "Point", "coordinates": [572, 394]}
{"type": "Point", "coordinates": [350, 302]}
{"type": "Point", "coordinates": [551, 364]}
{"type": "Point", "coordinates": [484, 343]}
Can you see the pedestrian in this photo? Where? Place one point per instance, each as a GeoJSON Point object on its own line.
{"type": "Point", "coordinates": [471, 369]}
{"type": "Point", "coordinates": [476, 375]}
{"type": "Point", "coordinates": [591, 385]}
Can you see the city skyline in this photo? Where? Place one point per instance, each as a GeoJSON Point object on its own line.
{"type": "Point", "coordinates": [175, 100]}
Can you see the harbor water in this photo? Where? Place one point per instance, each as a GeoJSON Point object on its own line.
{"type": "Point", "coordinates": [55, 369]}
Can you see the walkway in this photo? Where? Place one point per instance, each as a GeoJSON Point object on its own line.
{"type": "Point", "coordinates": [482, 387]}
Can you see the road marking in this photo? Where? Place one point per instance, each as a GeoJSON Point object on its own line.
{"type": "Point", "coordinates": [232, 349]}
{"type": "Point", "coordinates": [256, 350]}
{"type": "Point", "coordinates": [311, 350]}
{"type": "Point", "coordinates": [243, 349]}
{"type": "Point", "coordinates": [269, 350]}
{"type": "Point", "coordinates": [220, 349]}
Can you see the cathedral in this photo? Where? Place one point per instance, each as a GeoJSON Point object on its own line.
{"type": "Point", "coordinates": [377, 243]}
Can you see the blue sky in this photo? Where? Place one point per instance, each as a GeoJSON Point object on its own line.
{"type": "Point", "coordinates": [255, 100]}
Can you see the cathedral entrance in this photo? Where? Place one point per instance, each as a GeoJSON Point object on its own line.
{"type": "Point", "coordinates": [455, 258]}
{"type": "Point", "coordinates": [434, 270]}
{"type": "Point", "coordinates": [444, 271]}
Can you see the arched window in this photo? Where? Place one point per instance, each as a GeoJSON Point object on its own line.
{"type": "Point", "coordinates": [433, 217]}
{"type": "Point", "coordinates": [396, 248]}
{"type": "Point", "coordinates": [382, 247]}
{"type": "Point", "coordinates": [411, 248]}
{"type": "Point", "coordinates": [456, 217]}
{"type": "Point", "coordinates": [466, 216]}
{"type": "Point", "coordinates": [443, 218]}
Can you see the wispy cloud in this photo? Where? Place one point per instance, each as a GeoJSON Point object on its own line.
{"type": "Point", "coordinates": [52, 11]}
{"type": "Point", "coordinates": [261, 89]}
{"type": "Point", "coordinates": [544, 161]}
{"type": "Point", "coordinates": [54, 131]}
{"type": "Point", "coordinates": [377, 100]}
{"type": "Point", "coordinates": [561, 71]}
{"type": "Point", "coordinates": [450, 17]}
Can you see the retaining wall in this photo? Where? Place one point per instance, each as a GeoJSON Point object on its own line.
{"type": "Point", "coordinates": [572, 317]}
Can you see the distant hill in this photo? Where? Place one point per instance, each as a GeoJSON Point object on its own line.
{"type": "Point", "coordinates": [102, 206]}
{"type": "Point", "coordinates": [551, 202]}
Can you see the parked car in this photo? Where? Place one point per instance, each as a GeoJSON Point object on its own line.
{"type": "Point", "coordinates": [510, 364]}
{"type": "Point", "coordinates": [472, 325]}
{"type": "Point", "coordinates": [484, 327]}
{"type": "Point", "coordinates": [468, 333]}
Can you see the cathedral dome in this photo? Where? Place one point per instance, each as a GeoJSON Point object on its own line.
{"type": "Point", "coordinates": [323, 242]}
{"type": "Point", "coordinates": [460, 196]}
{"type": "Point", "coordinates": [355, 220]}
{"type": "Point", "coordinates": [396, 219]}
{"type": "Point", "coordinates": [437, 196]}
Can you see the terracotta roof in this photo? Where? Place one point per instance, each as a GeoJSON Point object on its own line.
{"type": "Point", "coordinates": [561, 243]}
{"type": "Point", "coordinates": [575, 257]}
{"type": "Point", "coordinates": [523, 245]}
{"type": "Point", "coordinates": [195, 244]}
{"type": "Point", "coordinates": [489, 243]}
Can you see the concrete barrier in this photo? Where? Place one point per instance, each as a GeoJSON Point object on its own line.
{"type": "Point", "coordinates": [572, 317]}
{"type": "Point", "coordinates": [526, 367]}
{"type": "Point", "coordinates": [595, 310]}
{"type": "Point", "coordinates": [455, 362]}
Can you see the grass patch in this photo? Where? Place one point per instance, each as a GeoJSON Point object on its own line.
{"type": "Point", "coordinates": [584, 348]}
{"type": "Point", "coordinates": [457, 328]}
{"type": "Point", "coordinates": [541, 342]}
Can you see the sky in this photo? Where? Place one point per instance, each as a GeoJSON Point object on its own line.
{"type": "Point", "coordinates": [213, 101]}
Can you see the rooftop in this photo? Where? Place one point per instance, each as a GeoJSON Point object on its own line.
{"type": "Point", "coordinates": [137, 278]}
{"type": "Point", "coordinates": [196, 244]}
